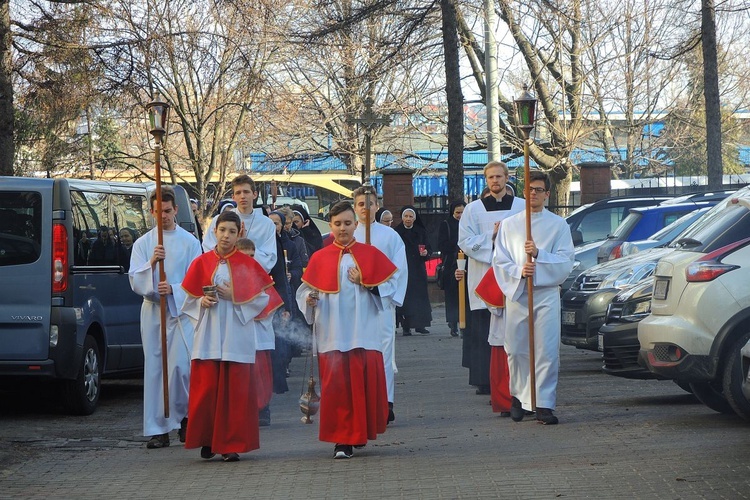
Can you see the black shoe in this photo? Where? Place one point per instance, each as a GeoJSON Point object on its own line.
{"type": "Point", "coordinates": [264, 416]}
{"type": "Point", "coordinates": [423, 331]}
{"type": "Point", "coordinates": [343, 451]}
{"type": "Point", "coordinates": [391, 415]}
{"type": "Point", "coordinates": [359, 446]}
{"type": "Point", "coordinates": [505, 414]}
{"type": "Point", "coordinates": [516, 410]}
{"type": "Point", "coordinates": [206, 453]}
{"type": "Point", "coordinates": [182, 431]}
{"type": "Point", "coordinates": [545, 416]}
{"type": "Point", "coordinates": [407, 332]}
{"type": "Point", "coordinates": [231, 457]}
{"type": "Point", "coordinates": [454, 333]}
{"type": "Point", "coordinates": [158, 441]}
{"type": "Point", "coordinates": [483, 389]}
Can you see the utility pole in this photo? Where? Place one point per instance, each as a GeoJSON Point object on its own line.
{"type": "Point", "coordinates": [490, 63]}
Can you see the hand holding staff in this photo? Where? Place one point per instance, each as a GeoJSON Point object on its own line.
{"type": "Point", "coordinates": [461, 263]}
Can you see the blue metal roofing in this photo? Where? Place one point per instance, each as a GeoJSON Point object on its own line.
{"type": "Point", "coordinates": [429, 166]}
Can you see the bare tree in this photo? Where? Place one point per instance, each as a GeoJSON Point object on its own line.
{"type": "Point", "coordinates": [386, 51]}
{"type": "Point", "coordinates": [208, 59]}
{"type": "Point", "coordinates": [548, 38]}
{"type": "Point", "coordinates": [630, 88]}
{"type": "Point", "coordinates": [7, 149]}
{"type": "Point", "coordinates": [455, 100]}
{"type": "Point", "coordinates": [711, 93]}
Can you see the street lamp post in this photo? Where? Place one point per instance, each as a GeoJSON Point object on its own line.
{"type": "Point", "coordinates": [369, 120]}
{"type": "Point", "coordinates": [525, 114]}
{"type": "Point", "coordinates": [158, 118]}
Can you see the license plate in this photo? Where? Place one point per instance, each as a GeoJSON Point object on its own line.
{"type": "Point", "coordinates": [601, 342]}
{"type": "Point", "coordinates": [569, 317]}
{"type": "Point", "coordinates": [660, 289]}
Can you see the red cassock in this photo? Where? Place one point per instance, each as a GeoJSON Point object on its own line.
{"type": "Point", "coordinates": [223, 401]}
{"type": "Point", "coordinates": [500, 397]}
{"type": "Point", "coordinates": [354, 398]}
{"type": "Point", "coordinates": [489, 291]}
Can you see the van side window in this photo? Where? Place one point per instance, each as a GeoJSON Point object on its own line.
{"type": "Point", "coordinates": [95, 241]}
{"type": "Point", "coordinates": [130, 220]}
{"type": "Point", "coordinates": [20, 227]}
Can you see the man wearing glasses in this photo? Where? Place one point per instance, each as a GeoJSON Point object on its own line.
{"type": "Point", "coordinates": [551, 248]}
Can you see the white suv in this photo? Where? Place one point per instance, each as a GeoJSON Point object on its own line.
{"type": "Point", "coordinates": [700, 311]}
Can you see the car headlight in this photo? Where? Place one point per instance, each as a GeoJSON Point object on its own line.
{"type": "Point", "coordinates": [617, 280]}
{"type": "Point", "coordinates": [636, 310]}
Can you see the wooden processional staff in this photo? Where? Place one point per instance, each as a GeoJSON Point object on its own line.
{"type": "Point", "coordinates": [525, 113]}
{"type": "Point", "coordinates": [158, 113]}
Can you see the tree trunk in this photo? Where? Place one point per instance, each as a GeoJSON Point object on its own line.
{"type": "Point", "coordinates": [455, 102]}
{"type": "Point", "coordinates": [7, 149]}
{"type": "Point", "coordinates": [560, 178]}
{"type": "Point", "coordinates": [711, 95]}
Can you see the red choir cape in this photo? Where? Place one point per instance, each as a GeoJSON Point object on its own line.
{"type": "Point", "coordinates": [248, 279]}
{"type": "Point", "coordinates": [274, 302]}
{"type": "Point", "coordinates": [489, 291]}
{"type": "Point", "coordinates": [322, 271]}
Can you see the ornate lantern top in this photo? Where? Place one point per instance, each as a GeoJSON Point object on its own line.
{"type": "Point", "coordinates": [526, 110]}
{"type": "Point", "coordinates": [158, 117]}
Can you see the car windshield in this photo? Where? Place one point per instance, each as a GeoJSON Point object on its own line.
{"type": "Point", "coordinates": [726, 223]}
{"type": "Point", "coordinates": [626, 226]}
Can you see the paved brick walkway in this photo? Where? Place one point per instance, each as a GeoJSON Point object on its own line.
{"type": "Point", "coordinates": [617, 439]}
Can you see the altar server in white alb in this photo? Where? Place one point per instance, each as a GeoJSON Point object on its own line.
{"type": "Point", "coordinates": [255, 225]}
{"type": "Point", "coordinates": [477, 229]}
{"type": "Point", "coordinates": [551, 247]}
{"type": "Point", "coordinates": [347, 282]}
{"type": "Point", "coordinates": [390, 243]}
{"type": "Point", "coordinates": [178, 251]}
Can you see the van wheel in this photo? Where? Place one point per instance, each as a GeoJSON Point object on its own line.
{"type": "Point", "coordinates": [733, 378]}
{"type": "Point", "coordinates": [711, 396]}
{"type": "Point", "coordinates": [82, 394]}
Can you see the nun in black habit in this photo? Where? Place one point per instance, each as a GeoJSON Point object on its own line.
{"type": "Point", "coordinates": [416, 312]}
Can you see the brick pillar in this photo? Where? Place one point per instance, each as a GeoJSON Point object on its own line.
{"type": "Point", "coordinates": [595, 180]}
{"type": "Point", "coordinates": [398, 191]}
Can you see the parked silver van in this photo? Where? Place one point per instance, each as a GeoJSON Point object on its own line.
{"type": "Point", "coordinates": [67, 312]}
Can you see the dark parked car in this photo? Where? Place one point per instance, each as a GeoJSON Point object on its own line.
{"type": "Point", "coordinates": [618, 337]}
{"type": "Point", "coordinates": [584, 306]}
